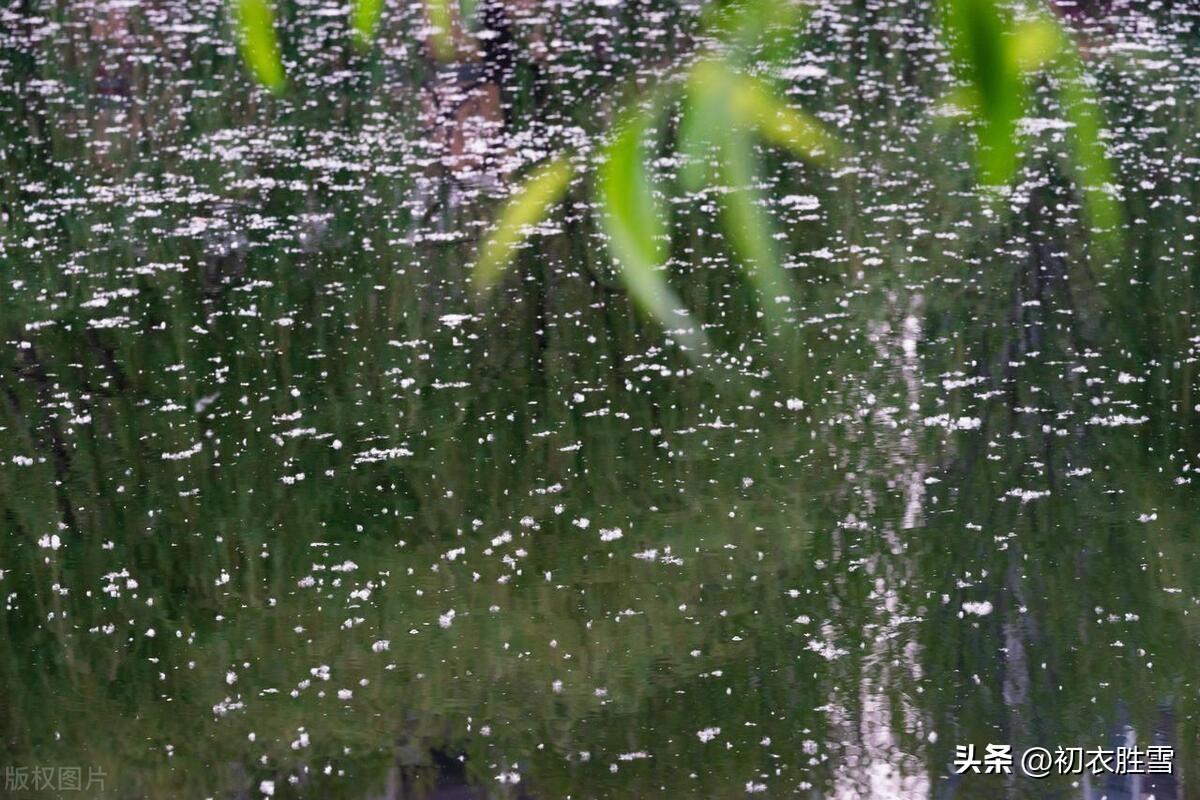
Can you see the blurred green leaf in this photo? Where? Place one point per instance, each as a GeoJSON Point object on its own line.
{"type": "Point", "coordinates": [1036, 43]}
{"type": "Point", "coordinates": [364, 19]}
{"type": "Point", "coordinates": [259, 45]}
{"type": "Point", "coordinates": [747, 226]}
{"type": "Point", "coordinates": [978, 36]}
{"type": "Point", "coordinates": [755, 103]}
{"type": "Point", "coordinates": [528, 205]}
{"type": "Point", "coordinates": [637, 230]}
{"type": "Point", "coordinates": [724, 105]}
{"type": "Point", "coordinates": [441, 20]}
{"type": "Point", "coordinates": [998, 58]}
{"type": "Point", "coordinates": [467, 9]}
{"type": "Point", "coordinates": [705, 114]}
{"type": "Point", "coordinates": [746, 24]}
{"type": "Point", "coordinates": [718, 96]}
{"type": "Point", "coordinates": [1093, 169]}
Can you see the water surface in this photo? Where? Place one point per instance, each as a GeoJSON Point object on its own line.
{"type": "Point", "coordinates": [285, 510]}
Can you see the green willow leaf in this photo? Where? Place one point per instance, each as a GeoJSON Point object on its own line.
{"type": "Point", "coordinates": [705, 115]}
{"type": "Point", "coordinates": [364, 20]}
{"type": "Point", "coordinates": [527, 206]}
{"type": "Point", "coordinates": [718, 97]}
{"type": "Point", "coordinates": [1094, 172]}
{"type": "Point", "coordinates": [978, 34]}
{"type": "Point", "coordinates": [725, 105]}
{"type": "Point", "coordinates": [747, 226]}
{"type": "Point", "coordinates": [754, 103]}
{"type": "Point", "coordinates": [1036, 43]}
{"type": "Point", "coordinates": [998, 58]}
{"type": "Point", "coordinates": [467, 9]}
{"type": "Point", "coordinates": [441, 20]}
{"type": "Point", "coordinates": [637, 231]}
{"type": "Point", "coordinates": [744, 25]}
{"type": "Point", "coordinates": [259, 45]}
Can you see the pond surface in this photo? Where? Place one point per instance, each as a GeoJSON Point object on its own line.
{"type": "Point", "coordinates": [285, 511]}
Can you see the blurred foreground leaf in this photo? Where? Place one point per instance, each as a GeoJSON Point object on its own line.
{"type": "Point", "coordinates": [705, 114]}
{"type": "Point", "coordinates": [1036, 42]}
{"type": "Point", "coordinates": [441, 20]}
{"type": "Point", "coordinates": [980, 44]}
{"type": "Point", "coordinates": [364, 19]}
{"type": "Point", "coordinates": [755, 104]}
{"type": "Point", "coordinates": [259, 45]}
{"type": "Point", "coordinates": [527, 206]}
{"type": "Point", "coordinates": [746, 25]}
{"type": "Point", "coordinates": [747, 226]}
{"type": "Point", "coordinates": [998, 57]}
{"type": "Point", "coordinates": [717, 95]}
{"type": "Point", "coordinates": [636, 226]}
{"type": "Point", "coordinates": [1093, 170]}
{"type": "Point", "coordinates": [724, 106]}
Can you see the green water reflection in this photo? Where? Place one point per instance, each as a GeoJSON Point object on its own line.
{"type": "Point", "coordinates": [280, 503]}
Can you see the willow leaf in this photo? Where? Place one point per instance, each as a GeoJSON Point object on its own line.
{"type": "Point", "coordinates": [441, 20]}
{"type": "Point", "coordinates": [747, 226]}
{"type": "Point", "coordinates": [259, 45]}
{"type": "Point", "coordinates": [1093, 170]}
{"type": "Point", "coordinates": [467, 9]}
{"type": "Point", "coordinates": [1036, 43]}
{"type": "Point", "coordinates": [364, 19]}
{"type": "Point", "coordinates": [527, 206]}
{"type": "Point", "coordinates": [978, 34]}
{"type": "Point", "coordinates": [705, 116]}
{"type": "Point", "coordinates": [636, 227]}
{"type": "Point", "coordinates": [754, 103]}
{"type": "Point", "coordinates": [747, 24]}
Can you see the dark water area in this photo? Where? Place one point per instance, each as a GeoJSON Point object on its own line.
{"type": "Point", "coordinates": [287, 512]}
